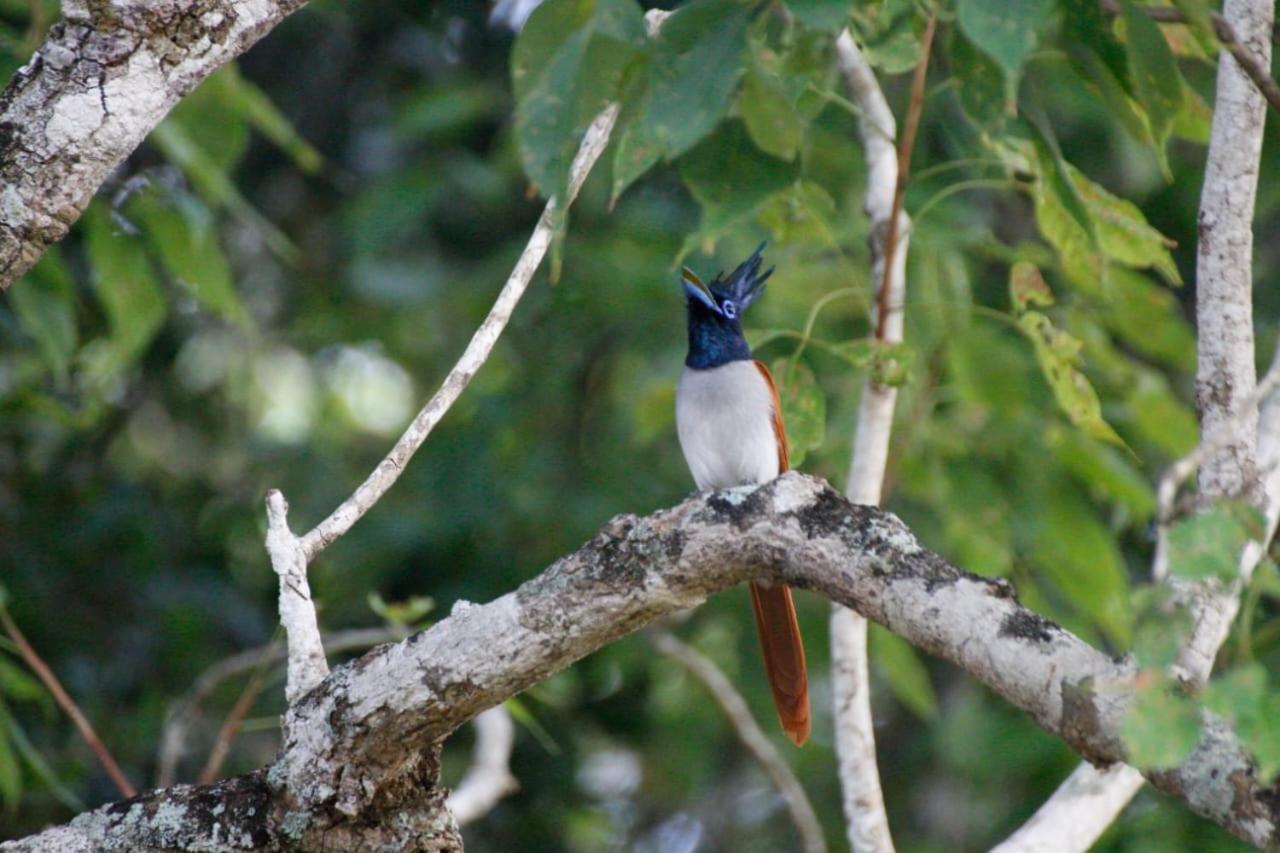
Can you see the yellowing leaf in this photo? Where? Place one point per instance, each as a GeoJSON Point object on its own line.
{"type": "Point", "coordinates": [1027, 287]}
{"type": "Point", "coordinates": [1057, 353]}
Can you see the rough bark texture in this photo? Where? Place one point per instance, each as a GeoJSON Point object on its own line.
{"type": "Point", "coordinates": [358, 767]}
{"type": "Point", "coordinates": [106, 75]}
{"type": "Point", "coordinates": [1225, 374]}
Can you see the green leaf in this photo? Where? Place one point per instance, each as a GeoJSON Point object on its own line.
{"type": "Point", "coordinates": [976, 516]}
{"type": "Point", "coordinates": [1006, 30]}
{"type": "Point", "coordinates": [566, 65]}
{"type": "Point", "coordinates": [44, 303]}
{"type": "Point", "coordinates": [828, 15]}
{"type": "Point", "coordinates": [1242, 697]}
{"type": "Point", "coordinates": [688, 87]}
{"type": "Point", "coordinates": [402, 614]}
{"type": "Point", "coordinates": [979, 83]}
{"type": "Point", "coordinates": [125, 283]}
{"type": "Point", "coordinates": [1161, 626]}
{"type": "Point", "coordinates": [1077, 553]}
{"type": "Point", "coordinates": [41, 768]}
{"type": "Point", "coordinates": [731, 178]}
{"type": "Point", "coordinates": [888, 34]}
{"type": "Point", "coordinates": [218, 114]}
{"type": "Point", "coordinates": [1199, 16]}
{"type": "Point", "coordinates": [771, 119]}
{"type": "Point", "coordinates": [1195, 119]}
{"type": "Point", "coordinates": [10, 769]}
{"type": "Point", "coordinates": [1101, 79]}
{"type": "Point", "coordinates": [1057, 353]}
{"type": "Point", "coordinates": [1085, 24]}
{"type": "Point", "coordinates": [803, 212]}
{"type": "Point", "coordinates": [1156, 78]}
{"type": "Point", "coordinates": [522, 715]}
{"type": "Point", "coordinates": [261, 112]}
{"type": "Point", "coordinates": [1027, 287]}
{"type": "Point", "coordinates": [1208, 544]}
{"type": "Point", "coordinates": [216, 186]}
{"type": "Point", "coordinates": [1106, 472]}
{"type": "Point", "coordinates": [220, 133]}
{"type": "Point", "coordinates": [1080, 262]}
{"type": "Point", "coordinates": [184, 235]}
{"type": "Point", "coordinates": [804, 408]}
{"type": "Point", "coordinates": [15, 683]}
{"type": "Point", "coordinates": [1149, 319]}
{"type": "Point", "coordinates": [902, 668]}
{"type": "Point", "coordinates": [1055, 186]}
{"type": "Point", "coordinates": [1161, 727]}
{"type": "Point", "coordinates": [805, 69]}
{"type": "Point", "coordinates": [1123, 232]}
{"type": "Point", "coordinates": [1161, 417]}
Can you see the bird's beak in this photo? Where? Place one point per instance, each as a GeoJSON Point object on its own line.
{"type": "Point", "coordinates": [695, 289]}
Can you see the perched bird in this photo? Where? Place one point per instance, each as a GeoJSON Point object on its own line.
{"type": "Point", "coordinates": [729, 420]}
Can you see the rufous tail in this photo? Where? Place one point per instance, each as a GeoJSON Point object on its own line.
{"type": "Point", "coordinates": [783, 657]}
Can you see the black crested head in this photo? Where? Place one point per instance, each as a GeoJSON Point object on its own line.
{"type": "Point", "coordinates": [715, 312]}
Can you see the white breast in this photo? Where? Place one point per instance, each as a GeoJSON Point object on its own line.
{"type": "Point", "coordinates": [724, 417]}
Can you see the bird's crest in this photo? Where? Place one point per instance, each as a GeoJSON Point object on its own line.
{"type": "Point", "coordinates": [738, 290]}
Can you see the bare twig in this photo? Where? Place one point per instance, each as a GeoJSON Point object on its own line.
{"type": "Point", "coordinates": [389, 469]}
{"type": "Point", "coordinates": [489, 778]}
{"type": "Point", "coordinates": [183, 714]}
{"type": "Point", "coordinates": [66, 703]}
{"type": "Point", "coordinates": [307, 666]}
{"type": "Point", "coordinates": [904, 166]}
{"type": "Point", "coordinates": [290, 554]}
{"type": "Point", "coordinates": [749, 732]}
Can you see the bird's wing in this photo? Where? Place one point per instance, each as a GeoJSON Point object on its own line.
{"type": "Point", "coordinates": [779, 428]}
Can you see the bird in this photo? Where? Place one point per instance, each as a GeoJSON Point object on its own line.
{"type": "Point", "coordinates": [730, 426]}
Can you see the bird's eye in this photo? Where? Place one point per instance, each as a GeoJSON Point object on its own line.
{"type": "Point", "coordinates": [730, 310]}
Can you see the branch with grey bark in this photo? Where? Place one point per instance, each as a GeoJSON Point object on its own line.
{"type": "Point", "coordinates": [107, 74]}
{"type": "Point", "coordinates": [359, 764]}
{"type": "Point", "coordinates": [1234, 439]}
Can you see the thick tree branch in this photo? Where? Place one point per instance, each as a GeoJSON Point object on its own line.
{"type": "Point", "coordinates": [360, 750]}
{"type": "Point", "coordinates": [105, 77]}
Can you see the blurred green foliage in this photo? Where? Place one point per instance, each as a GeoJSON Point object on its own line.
{"type": "Point", "coordinates": [266, 291]}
